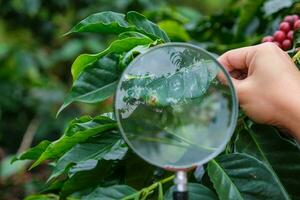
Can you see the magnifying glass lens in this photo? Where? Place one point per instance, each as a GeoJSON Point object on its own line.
{"type": "Point", "coordinates": [176, 106]}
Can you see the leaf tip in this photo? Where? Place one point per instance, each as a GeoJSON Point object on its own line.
{"type": "Point", "coordinates": [61, 109]}
{"type": "Point", "coordinates": [14, 159]}
{"type": "Point", "coordinates": [67, 33]}
{"type": "Point", "coordinates": [36, 163]}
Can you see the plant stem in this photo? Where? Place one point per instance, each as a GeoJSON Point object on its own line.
{"type": "Point", "coordinates": [296, 56]}
{"type": "Point", "coordinates": [149, 189]}
{"type": "Point", "coordinates": [29, 134]}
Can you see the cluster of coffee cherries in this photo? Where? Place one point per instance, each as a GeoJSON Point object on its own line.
{"type": "Point", "coordinates": [284, 36]}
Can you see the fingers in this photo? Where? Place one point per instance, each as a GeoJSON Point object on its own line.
{"type": "Point", "coordinates": [239, 85]}
{"type": "Point", "coordinates": [238, 58]}
{"type": "Point", "coordinates": [237, 62]}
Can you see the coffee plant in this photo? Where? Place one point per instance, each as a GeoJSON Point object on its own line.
{"type": "Point", "coordinates": [91, 160]}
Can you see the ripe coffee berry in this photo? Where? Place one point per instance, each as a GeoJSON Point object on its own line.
{"type": "Point", "coordinates": [286, 44]}
{"type": "Point", "coordinates": [290, 35]}
{"type": "Point", "coordinates": [297, 25]}
{"type": "Point", "coordinates": [268, 39]}
{"type": "Point", "coordinates": [279, 36]}
{"type": "Point", "coordinates": [296, 17]}
{"type": "Point", "coordinates": [289, 19]}
{"type": "Point", "coordinates": [285, 27]}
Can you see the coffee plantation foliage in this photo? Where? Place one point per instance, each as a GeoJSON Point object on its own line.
{"type": "Point", "coordinates": [91, 160]}
{"type": "Point", "coordinates": [34, 77]}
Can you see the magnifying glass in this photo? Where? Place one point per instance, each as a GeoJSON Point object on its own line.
{"type": "Point", "coordinates": [176, 107]}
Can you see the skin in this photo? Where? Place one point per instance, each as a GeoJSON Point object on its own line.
{"type": "Point", "coordinates": [267, 84]}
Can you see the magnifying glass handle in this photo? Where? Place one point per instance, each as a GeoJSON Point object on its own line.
{"type": "Point", "coordinates": [180, 195]}
{"type": "Point", "coordinates": [181, 192]}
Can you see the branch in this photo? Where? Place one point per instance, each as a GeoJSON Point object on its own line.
{"type": "Point", "coordinates": [29, 134]}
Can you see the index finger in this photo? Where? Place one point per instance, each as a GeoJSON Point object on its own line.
{"type": "Point", "coordinates": [238, 58]}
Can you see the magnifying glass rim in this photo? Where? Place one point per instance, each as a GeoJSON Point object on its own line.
{"type": "Point", "coordinates": [234, 106]}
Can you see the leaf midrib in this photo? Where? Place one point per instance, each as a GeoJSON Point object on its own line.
{"type": "Point", "coordinates": [268, 165]}
{"type": "Point", "coordinates": [95, 91]}
{"type": "Point", "coordinates": [222, 169]}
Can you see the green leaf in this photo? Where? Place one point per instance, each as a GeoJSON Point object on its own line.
{"type": "Point", "coordinates": [196, 192]}
{"type": "Point", "coordinates": [97, 82]}
{"type": "Point", "coordinates": [108, 146]}
{"type": "Point", "coordinates": [117, 46]}
{"type": "Point", "coordinates": [239, 176]}
{"type": "Point", "coordinates": [272, 6]}
{"type": "Point", "coordinates": [88, 179]}
{"type": "Point", "coordinates": [42, 197]}
{"type": "Point", "coordinates": [163, 86]}
{"type": "Point", "coordinates": [138, 178]}
{"type": "Point", "coordinates": [130, 55]}
{"type": "Point", "coordinates": [145, 26]}
{"type": "Point", "coordinates": [281, 156]}
{"type": "Point", "coordinates": [128, 34]}
{"type": "Point", "coordinates": [103, 22]}
{"type": "Point", "coordinates": [174, 30]}
{"type": "Point", "coordinates": [115, 192]}
{"type": "Point", "coordinates": [247, 15]}
{"type": "Point", "coordinates": [33, 153]}
{"type": "Point", "coordinates": [78, 131]}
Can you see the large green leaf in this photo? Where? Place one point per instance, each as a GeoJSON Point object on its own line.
{"type": "Point", "coordinates": [115, 192]}
{"type": "Point", "coordinates": [84, 156]}
{"type": "Point", "coordinates": [239, 176]}
{"type": "Point", "coordinates": [88, 179]}
{"type": "Point", "coordinates": [145, 26]}
{"type": "Point", "coordinates": [104, 22]}
{"type": "Point", "coordinates": [281, 156]}
{"type": "Point", "coordinates": [117, 46]}
{"type": "Point", "coordinates": [95, 84]}
{"type": "Point", "coordinates": [196, 191]}
{"type": "Point", "coordinates": [162, 87]}
{"type": "Point", "coordinates": [137, 178]}
{"type": "Point", "coordinates": [78, 131]}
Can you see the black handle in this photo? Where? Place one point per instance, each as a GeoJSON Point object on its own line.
{"type": "Point", "coordinates": [180, 195]}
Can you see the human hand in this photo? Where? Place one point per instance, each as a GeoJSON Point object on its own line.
{"type": "Point", "coordinates": [267, 84]}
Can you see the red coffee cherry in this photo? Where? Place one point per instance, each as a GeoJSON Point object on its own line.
{"type": "Point", "coordinates": [279, 36]}
{"type": "Point", "coordinates": [296, 17]}
{"type": "Point", "coordinates": [268, 39]}
{"type": "Point", "coordinates": [289, 19]}
{"type": "Point", "coordinates": [297, 25]}
{"type": "Point", "coordinates": [290, 35]}
{"type": "Point", "coordinates": [285, 26]}
{"type": "Point", "coordinates": [286, 44]}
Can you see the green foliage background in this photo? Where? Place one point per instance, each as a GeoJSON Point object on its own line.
{"type": "Point", "coordinates": [35, 76]}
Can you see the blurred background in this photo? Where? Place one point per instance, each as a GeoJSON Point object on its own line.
{"type": "Point", "coordinates": [35, 61]}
